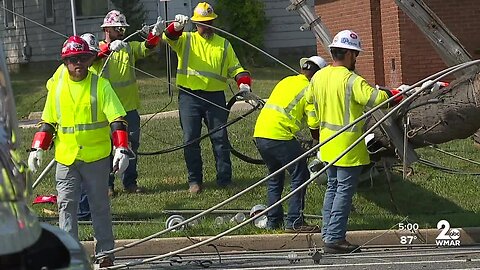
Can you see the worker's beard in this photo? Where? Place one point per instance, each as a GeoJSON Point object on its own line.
{"type": "Point", "coordinates": [352, 66]}
{"type": "Point", "coordinates": [207, 33]}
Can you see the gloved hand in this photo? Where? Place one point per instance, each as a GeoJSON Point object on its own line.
{"type": "Point", "coordinates": [120, 160]}
{"type": "Point", "coordinates": [315, 165]}
{"type": "Point", "coordinates": [398, 99]}
{"type": "Point", "coordinates": [117, 45]}
{"type": "Point", "coordinates": [158, 27]}
{"type": "Point", "coordinates": [180, 22]}
{"type": "Point", "coordinates": [35, 159]}
{"type": "Point", "coordinates": [243, 87]}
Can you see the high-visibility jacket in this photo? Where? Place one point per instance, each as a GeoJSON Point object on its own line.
{"type": "Point", "coordinates": [120, 71]}
{"type": "Point", "coordinates": [81, 112]}
{"type": "Point", "coordinates": [204, 64]}
{"type": "Point", "coordinates": [339, 97]}
{"type": "Point", "coordinates": [282, 115]}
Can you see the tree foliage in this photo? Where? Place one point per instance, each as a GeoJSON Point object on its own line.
{"type": "Point", "coordinates": [135, 13]}
{"type": "Point", "coordinates": [245, 19]}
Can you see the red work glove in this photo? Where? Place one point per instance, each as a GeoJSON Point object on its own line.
{"type": "Point", "coordinates": [397, 99]}
{"type": "Point", "coordinates": [104, 50]}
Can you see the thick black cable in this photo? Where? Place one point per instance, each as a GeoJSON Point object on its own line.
{"type": "Point", "coordinates": [228, 123]}
{"type": "Point", "coordinates": [444, 168]}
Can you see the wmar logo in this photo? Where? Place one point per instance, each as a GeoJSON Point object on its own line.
{"type": "Point", "coordinates": [447, 237]}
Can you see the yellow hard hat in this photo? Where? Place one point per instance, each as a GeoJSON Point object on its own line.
{"type": "Point", "coordinates": [203, 12]}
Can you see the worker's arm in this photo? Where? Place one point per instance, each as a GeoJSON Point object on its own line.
{"type": "Point", "coordinates": [120, 143]}
{"type": "Point", "coordinates": [244, 81]}
{"type": "Point", "coordinates": [367, 95]}
{"type": "Point", "coordinates": [40, 143]}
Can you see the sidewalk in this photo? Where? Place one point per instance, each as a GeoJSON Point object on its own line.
{"type": "Point", "coordinates": [34, 117]}
{"type": "Point", "coordinates": [468, 236]}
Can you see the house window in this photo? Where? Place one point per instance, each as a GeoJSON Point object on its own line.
{"type": "Point", "coordinates": [9, 18]}
{"type": "Point", "coordinates": [91, 8]}
{"type": "Point", "coordinates": [49, 12]}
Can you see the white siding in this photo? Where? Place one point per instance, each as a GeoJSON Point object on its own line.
{"type": "Point", "coordinates": [282, 31]}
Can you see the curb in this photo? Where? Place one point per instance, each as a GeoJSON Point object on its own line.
{"type": "Point", "coordinates": [468, 236]}
{"type": "Point", "coordinates": [34, 117]}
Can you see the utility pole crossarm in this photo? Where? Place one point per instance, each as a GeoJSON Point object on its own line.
{"type": "Point", "coordinates": [445, 43]}
{"type": "Point", "coordinates": [312, 22]}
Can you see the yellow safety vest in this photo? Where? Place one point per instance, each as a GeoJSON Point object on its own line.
{"type": "Point", "coordinates": [120, 71]}
{"type": "Point", "coordinates": [285, 109]}
{"type": "Point", "coordinates": [204, 64]}
{"type": "Point", "coordinates": [339, 97]}
{"type": "Point", "coordinates": [81, 112]}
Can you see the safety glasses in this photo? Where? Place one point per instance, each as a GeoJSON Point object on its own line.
{"type": "Point", "coordinates": [120, 29]}
{"type": "Point", "coordinates": [78, 59]}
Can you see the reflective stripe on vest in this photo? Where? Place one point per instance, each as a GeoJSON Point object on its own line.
{"type": "Point", "coordinates": [57, 94]}
{"type": "Point", "coordinates": [185, 58]}
{"type": "Point", "coordinates": [131, 80]}
{"type": "Point", "coordinates": [286, 111]}
{"type": "Point", "coordinates": [93, 104]}
{"type": "Point", "coordinates": [372, 99]}
{"type": "Point", "coordinates": [346, 114]}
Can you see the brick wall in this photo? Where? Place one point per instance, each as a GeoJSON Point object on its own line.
{"type": "Point", "coordinates": [336, 17]}
{"type": "Point", "coordinates": [396, 51]}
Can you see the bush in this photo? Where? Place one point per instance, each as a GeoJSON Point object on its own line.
{"type": "Point", "coordinates": [245, 19]}
{"type": "Point", "coordinates": [135, 13]}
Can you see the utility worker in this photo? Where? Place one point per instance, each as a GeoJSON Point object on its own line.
{"type": "Point", "coordinates": [83, 207]}
{"type": "Point", "coordinates": [205, 61]}
{"type": "Point", "coordinates": [80, 110]}
{"type": "Point", "coordinates": [274, 134]}
{"type": "Point", "coordinates": [120, 71]}
{"type": "Point", "coordinates": [340, 96]}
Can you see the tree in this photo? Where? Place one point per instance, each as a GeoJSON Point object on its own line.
{"type": "Point", "coordinates": [135, 13]}
{"type": "Point", "coordinates": [246, 19]}
{"type": "Point", "coordinates": [444, 115]}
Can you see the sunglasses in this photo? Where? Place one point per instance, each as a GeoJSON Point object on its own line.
{"type": "Point", "coordinates": [78, 59]}
{"type": "Point", "coordinates": [120, 29]}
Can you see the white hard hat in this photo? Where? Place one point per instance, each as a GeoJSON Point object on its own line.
{"type": "Point", "coordinates": [92, 41]}
{"type": "Point", "coordinates": [114, 18]}
{"type": "Point", "coordinates": [317, 60]}
{"type": "Point", "coordinates": [347, 39]}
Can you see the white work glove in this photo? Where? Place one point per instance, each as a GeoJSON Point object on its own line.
{"type": "Point", "coordinates": [35, 159]}
{"type": "Point", "coordinates": [120, 160]}
{"type": "Point", "coordinates": [158, 27]}
{"type": "Point", "coordinates": [117, 45]}
{"type": "Point", "coordinates": [180, 22]}
{"type": "Point", "coordinates": [243, 87]}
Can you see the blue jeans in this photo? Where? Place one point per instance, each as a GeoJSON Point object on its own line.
{"type": "Point", "coordinates": [129, 177]}
{"type": "Point", "coordinates": [276, 154]}
{"type": "Point", "coordinates": [341, 185]}
{"type": "Point", "coordinates": [192, 111]}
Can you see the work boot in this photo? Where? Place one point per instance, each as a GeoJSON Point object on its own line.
{"type": "Point", "coordinates": [340, 247]}
{"type": "Point", "coordinates": [105, 262]}
{"type": "Point", "coordinates": [134, 189]}
{"type": "Point", "coordinates": [195, 188]}
{"type": "Point", "coordinates": [304, 228]}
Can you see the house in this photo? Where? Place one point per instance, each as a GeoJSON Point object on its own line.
{"type": "Point", "coordinates": [37, 28]}
{"type": "Point", "coordinates": [396, 51]}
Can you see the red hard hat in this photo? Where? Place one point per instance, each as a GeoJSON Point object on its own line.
{"type": "Point", "coordinates": [75, 45]}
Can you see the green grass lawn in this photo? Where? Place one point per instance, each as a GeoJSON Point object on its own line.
{"type": "Point", "coordinates": [425, 197]}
